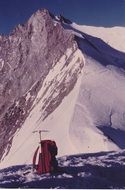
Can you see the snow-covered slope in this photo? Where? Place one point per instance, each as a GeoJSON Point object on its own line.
{"type": "Point", "coordinates": [114, 36]}
{"type": "Point", "coordinates": [80, 100]}
{"type": "Point", "coordinates": [98, 119]}
{"type": "Point", "coordinates": [89, 171]}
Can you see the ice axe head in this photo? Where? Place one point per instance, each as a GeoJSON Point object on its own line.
{"type": "Point", "coordinates": [40, 131]}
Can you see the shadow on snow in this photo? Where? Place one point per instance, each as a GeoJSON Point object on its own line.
{"type": "Point", "coordinates": [98, 170]}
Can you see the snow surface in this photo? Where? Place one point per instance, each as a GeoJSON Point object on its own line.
{"type": "Point", "coordinates": [1, 64]}
{"type": "Point", "coordinates": [114, 36]}
{"type": "Point", "coordinates": [102, 84]}
{"type": "Point", "coordinates": [86, 171]}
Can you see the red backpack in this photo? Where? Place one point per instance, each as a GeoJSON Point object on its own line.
{"type": "Point", "coordinates": [46, 159]}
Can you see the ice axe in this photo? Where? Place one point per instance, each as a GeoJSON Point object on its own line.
{"type": "Point", "coordinates": [40, 131]}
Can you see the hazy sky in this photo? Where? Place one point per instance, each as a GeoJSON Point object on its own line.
{"type": "Point", "coordinates": [87, 12]}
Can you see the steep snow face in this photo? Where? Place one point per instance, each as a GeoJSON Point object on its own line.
{"type": "Point", "coordinates": [98, 120]}
{"type": "Point", "coordinates": [25, 141]}
{"type": "Point", "coordinates": [114, 36]}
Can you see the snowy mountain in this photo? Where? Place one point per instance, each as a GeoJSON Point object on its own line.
{"type": "Point", "coordinates": [63, 78]}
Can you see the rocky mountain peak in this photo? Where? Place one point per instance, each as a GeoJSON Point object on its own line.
{"type": "Point", "coordinates": [27, 56]}
{"type": "Point", "coordinates": [36, 23]}
{"type": "Point", "coordinates": [40, 20]}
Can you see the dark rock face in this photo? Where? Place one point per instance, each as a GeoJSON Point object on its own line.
{"type": "Point", "coordinates": [65, 20]}
{"type": "Point", "coordinates": [26, 57]}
